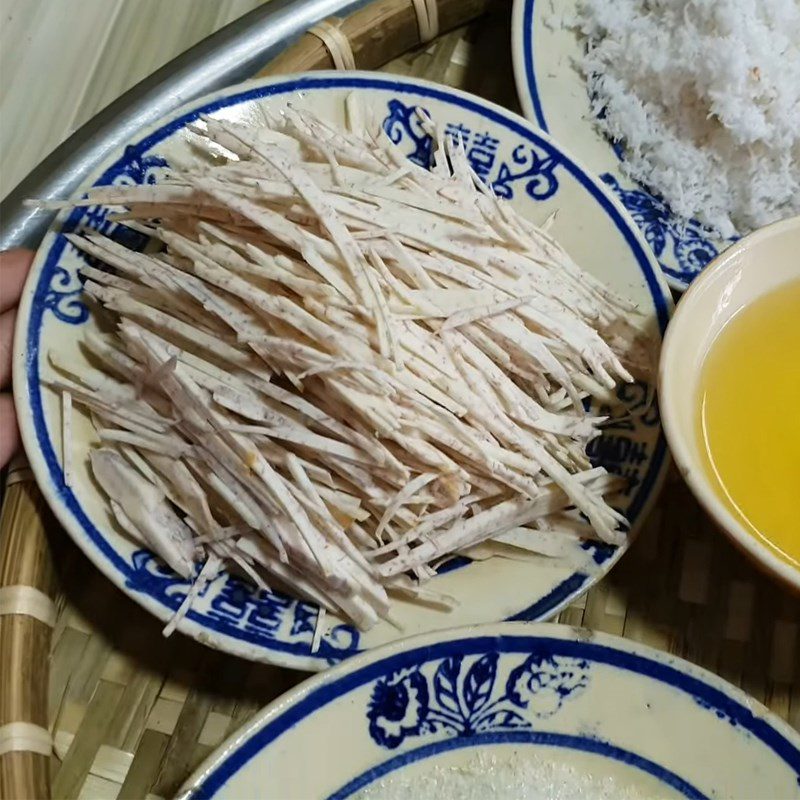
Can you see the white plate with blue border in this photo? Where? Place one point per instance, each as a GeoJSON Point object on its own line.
{"type": "Point", "coordinates": [553, 95]}
{"type": "Point", "coordinates": [588, 715]}
{"type": "Point", "coordinates": [523, 166]}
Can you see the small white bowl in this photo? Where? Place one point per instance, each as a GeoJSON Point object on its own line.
{"type": "Point", "coordinates": [753, 267]}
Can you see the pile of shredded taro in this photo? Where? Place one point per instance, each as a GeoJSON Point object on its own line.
{"type": "Point", "coordinates": [336, 369]}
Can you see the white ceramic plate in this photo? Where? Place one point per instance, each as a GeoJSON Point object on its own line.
{"type": "Point", "coordinates": [524, 166]}
{"type": "Point", "coordinates": [553, 95]}
{"type": "Point", "coordinates": [585, 711]}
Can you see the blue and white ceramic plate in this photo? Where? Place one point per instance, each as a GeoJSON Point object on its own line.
{"type": "Point", "coordinates": [522, 165]}
{"type": "Point", "coordinates": [578, 714]}
{"type": "Point", "coordinates": [553, 95]}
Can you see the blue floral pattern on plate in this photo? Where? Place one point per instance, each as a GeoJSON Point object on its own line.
{"type": "Point", "coordinates": [532, 165]}
{"type": "Point", "coordinates": [460, 696]}
{"type": "Point", "coordinates": [63, 297]}
{"type": "Point", "coordinates": [236, 606]}
{"type": "Point", "coordinates": [620, 450]}
{"type": "Point", "coordinates": [672, 240]}
{"type": "Point", "coordinates": [64, 292]}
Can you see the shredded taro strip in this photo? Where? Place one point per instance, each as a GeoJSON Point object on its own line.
{"type": "Point", "coordinates": [334, 369]}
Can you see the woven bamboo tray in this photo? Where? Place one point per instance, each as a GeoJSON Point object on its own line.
{"type": "Point", "coordinates": [132, 714]}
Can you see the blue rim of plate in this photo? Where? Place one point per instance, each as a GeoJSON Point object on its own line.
{"type": "Point", "coordinates": [679, 279]}
{"type": "Point", "coordinates": [527, 57]}
{"type": "Point", "coordinates": [710, 698]}
{"type": "Point", "coordinates": [114, 562]}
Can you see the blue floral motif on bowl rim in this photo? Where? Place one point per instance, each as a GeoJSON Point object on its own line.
{"type": "Point", "coordinates": [461, 696]}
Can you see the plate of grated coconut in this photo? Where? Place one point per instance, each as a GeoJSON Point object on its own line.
{"type": "Point", "coordinates": [322, 361]}
{"type": "Point", "coordinates": [688, 110]}
{"type": "Point", "coordinates": [513, 712]}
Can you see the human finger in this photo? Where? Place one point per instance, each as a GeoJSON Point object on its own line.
{"type": "Point", "coordinates": [7, 320]}
{"type": "Point", "coordinates": [14, 266]}
{"type": "Point", "coordinates": [9, 434]}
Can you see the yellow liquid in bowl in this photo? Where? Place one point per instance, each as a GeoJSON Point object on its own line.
{"type": "Point", "coordinates": [749, 419]}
